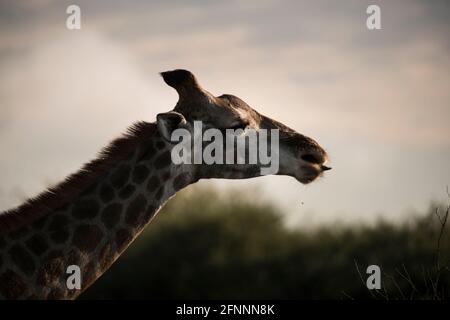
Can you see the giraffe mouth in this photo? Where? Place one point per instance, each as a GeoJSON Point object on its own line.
{"type": "Point", "coordinates": [310, 172]}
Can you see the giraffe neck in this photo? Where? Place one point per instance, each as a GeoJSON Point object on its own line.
{"type": "Point", "coordinates": [93, 229]}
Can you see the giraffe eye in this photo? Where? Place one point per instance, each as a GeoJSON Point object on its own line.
{"type": "Point", "coordinates": [240, 125]}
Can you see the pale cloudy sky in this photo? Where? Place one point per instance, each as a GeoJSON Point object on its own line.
{"type": "Point", "coordinates": [378, 101]}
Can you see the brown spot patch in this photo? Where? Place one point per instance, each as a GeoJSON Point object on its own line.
{"type": "Point", "coordinates": [159, 194]}
{"type": "Point", "coordinates": [20, 233]}
{"type": "Point", "coordinates": [123, 237]}
{"type": "Point", "coordinates": [56, 294]}
{"type": "Point", "coordinates": [90, 190]}
{"type": "Point", "coordinates": [147, 152]}
{"type": "Point", "coordinates": [153, 183]}
{"type": "Point", "coordinates": [59, 236]}
{"type": "Point", "coordinates": [106, 256]}
{"type": "Point", "coordinates": [134, 210]}
{"type": "Point", "coordinates": [58, 228]}
{"type": "Point", "coordinates": [163, 160]}
{"type": "Point", "coordinates": [120, 176]}
{"type": "Point", "coordinates": [165, 176]}
{"type": "Point", "coordinates": [140, 173]}
{"type": "Point", "coordinates": [73, 257]}
{"type": "Point", "coordinates": [22, 258]}
{"type": "Point", "coordinates": [2, 242]}
{"type": "Point", "coordinates": [160, 144]}
{"type": "Point", "coordinates": [59, 221]}
{"type": "Point", "coordinates": [181, 181]}
{"type": "Point", "coordinates": [86, 237]}
{"type": "Point", "coordinates": [85, 209]}
{"type": "Point", "coordinates": [149, 213]}
{"type": "Point", "coordinates": [39, 224]}
{"type": "Point", "coordinates": [127, 191]}
{"type": "Point", "coordinates": [111, 214]}
{"type": "Point", "coordinates": [106, 193]}
{"type": "Point", "coordinates": [89, 273]}
{"type": "Point", "coordinates": [52, 269]}
{"type": "Point", "coordinates": [37, 244]}
{"type": "Point", "coordinates": [11, 285]}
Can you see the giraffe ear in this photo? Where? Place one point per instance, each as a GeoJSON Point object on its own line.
{"type": "Point", "coordinates": [168, 122]}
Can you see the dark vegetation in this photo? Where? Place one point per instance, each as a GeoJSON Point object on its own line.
{"type": "Point", "coordinates": [202, 245]}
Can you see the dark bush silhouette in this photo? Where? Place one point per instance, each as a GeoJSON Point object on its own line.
{"type": "Point", "coordinates": [202, 245]}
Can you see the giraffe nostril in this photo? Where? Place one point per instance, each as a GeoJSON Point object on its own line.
{"type": "Point", "coordinates": [312, 158]}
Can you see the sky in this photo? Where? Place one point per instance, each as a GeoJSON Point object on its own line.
{"type": "Point", "coordinates": [377, 100]}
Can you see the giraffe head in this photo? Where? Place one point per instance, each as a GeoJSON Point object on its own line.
{"type": "Point", "coordinates": [298, 156]}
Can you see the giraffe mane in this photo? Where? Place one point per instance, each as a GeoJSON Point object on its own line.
{"type": "Point", "coordinates": [57, 196]}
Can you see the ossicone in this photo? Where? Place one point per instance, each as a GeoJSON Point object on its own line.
{"type": "Point", "coordinates": [179, 78]}
{"type": "Point", "coordinates": [185, 83]}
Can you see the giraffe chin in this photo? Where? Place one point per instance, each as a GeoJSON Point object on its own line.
{"type": "Point", "coordinates": [307, 180]}
{"type": "Point", "coordinates": [308, 174]}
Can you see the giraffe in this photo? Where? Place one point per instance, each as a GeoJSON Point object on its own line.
{"type": "Point", "coordinates": [89, 219]}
